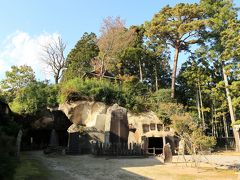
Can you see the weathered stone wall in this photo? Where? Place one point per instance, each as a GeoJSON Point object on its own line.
{"type": "Point", "coordinates": [85, 112]}
{"type": "Point", "coordinates": [149, 119]}
{"type": "Point", "coordinates": [116, 122]}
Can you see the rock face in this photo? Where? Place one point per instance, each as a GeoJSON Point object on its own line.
{"type": "Point", "coordinates": [49, 120]}
{"type": "Point", "coordinates": [84, 112]}
{"type": "Point", "coordinates": [116, 125]}
{"type": "Point", "coordinates": [5, 112]}
{"type": "Point", "coordinates": [112, 120]}
{"type": "Point", "coordinates": [146, 124]}
{"type": "Point", "coordinates": [115, 120]}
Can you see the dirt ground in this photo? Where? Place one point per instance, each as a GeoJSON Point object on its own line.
{"type": "Point", "coordinates": [88, 167]}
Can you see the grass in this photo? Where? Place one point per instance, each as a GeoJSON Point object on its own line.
{"type": "Point", "coordinates": [31, 169]}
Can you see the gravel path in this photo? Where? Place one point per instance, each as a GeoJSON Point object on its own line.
{"type": "Point", "coordinates": [87, 167]}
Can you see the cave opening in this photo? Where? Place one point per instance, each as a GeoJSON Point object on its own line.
{"type": "Point", "coordinates": [157, 143]}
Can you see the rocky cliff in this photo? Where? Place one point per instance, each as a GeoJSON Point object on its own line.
{"type": "Point", "coordinates": [114, 119]}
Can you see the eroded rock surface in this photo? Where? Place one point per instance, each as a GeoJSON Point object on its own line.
{"type": "Point", "coordinates": [84, 112]}
{"type": "Point", "coordinates": [114, 119]}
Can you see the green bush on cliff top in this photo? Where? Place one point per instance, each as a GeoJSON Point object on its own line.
{"type": "Point", "coordinates": [105, 91]}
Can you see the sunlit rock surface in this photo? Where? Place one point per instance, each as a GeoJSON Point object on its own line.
{"type": "Point", "coordinates": [114, 120]}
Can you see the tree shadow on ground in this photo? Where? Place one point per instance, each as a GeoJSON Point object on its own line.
{"type": "Point", "coordinates": [89, 167]}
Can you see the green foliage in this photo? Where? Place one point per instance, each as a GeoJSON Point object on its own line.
{"type": "Point", "coordinates": [179, 23]}
{"type": "Point", "coordinates": [2, 96]}
{"type": "Point", "coordinates": [52, 94]}
{"type": "Point", "coordinates": [202, 142]}
{"type": "Point", "coordinates": [179, 27]}
{"type": "Point", "coordinates": [188, 130]}
{"type": "Point", "coordinates": [237, 122]}
{"type": "Point", "coordinates": [104, 91]}
{"type": "Point", "coordinates": [163, 105]}
{"type": "Point", "coordinates": [16, 78]}
{"type": "Point", "coordinates": [162, 95]}
{"type": "Point", "coordinates": [135, 94]}
{"type": "Point", "coordinates": [34, 98]}
{"type": "Point", "coordinates": [79, 59]}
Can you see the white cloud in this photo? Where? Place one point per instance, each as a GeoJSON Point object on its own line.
{"type": "Point", "coordinates": [20, 48]}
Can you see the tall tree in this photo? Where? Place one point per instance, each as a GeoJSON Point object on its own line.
{"type": "Point", "coordinates": [30, 99]}
{"type": "Point", "coordinates": [17, 78]}
{"type": "Point", "coordinates": [230, 41]}
{"type": "Point", "coordinates": [132, 57]}
{"type": "Point", "coordinates": [197, 75]}
{"type": "Point", "coordinates": [114, 39]}
{"type": "Point", "coordinates": [223, 37]}
{"type": "Point", "coordinates": [178, 27]}
{"type": "Point", "coordinates": [146, 60]}
{"type": "Point", "coordinates": [157, 63]}
{"type": "Point", "coordinates": [53, 57]}
{"type": "Point", "coordinates": [78, 60]}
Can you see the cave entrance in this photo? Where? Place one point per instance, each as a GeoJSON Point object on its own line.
{"type": "Point", "coordinates": [155, 144]}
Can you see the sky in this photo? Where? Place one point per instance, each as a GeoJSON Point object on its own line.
{"type": "Point", "coordinates": [28, 25]}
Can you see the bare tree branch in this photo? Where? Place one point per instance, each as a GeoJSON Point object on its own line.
{"type": "Point", "coordinates": [53, 57]}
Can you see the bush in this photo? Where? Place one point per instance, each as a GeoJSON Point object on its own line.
{"type": "Point", "coordinates": [126, 94]}
{"type": "Point", "coordinates": [162, 95]}
{"type": "Point", "coordinates": [34, 97]}
{"type": "Point", "coordinates": [188, 130]}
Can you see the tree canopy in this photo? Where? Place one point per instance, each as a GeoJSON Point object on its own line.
{"type": "Point", "coordinates": [80, 57]}
{"type": "Point", "coordinates": [179, 27]}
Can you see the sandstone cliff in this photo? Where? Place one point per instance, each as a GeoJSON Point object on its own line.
{"type": "Point", "coordinates": [114, 119]}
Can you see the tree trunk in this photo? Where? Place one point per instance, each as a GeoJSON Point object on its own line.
{"type": "Point", "coordinates": [140, 71]}
{"type": "Point", "coordinates": [164, 137]}
{"type": "Point", "coordinates": [215, 120]}
{"type": "Point", "coordinates": [56, 78]}
{"type": "Point", "coordinates": [232, 115]}
{"type": "Point", "coordinates": [212, 119]}
{"type": "Point", "coordinates": [174, 74]}
{"type": "Point", "coordinates": [102, 68]}
{"type": "Point", "coordinates": [225, 126]}
{"type": "Point", "coordinates": [201, 105]}
{"type": "Point", "coordinates": [156, 77]}
{"type": "Point", "coordinates": [198, 105]}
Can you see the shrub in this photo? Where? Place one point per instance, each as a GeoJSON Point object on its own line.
{"type": "Point", "coordinates": [126, 94]}
{"type": "Point", "coordinates": [188, 130]}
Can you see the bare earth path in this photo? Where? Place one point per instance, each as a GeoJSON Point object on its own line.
{"type": "Point", "coordinates": [87, 167]}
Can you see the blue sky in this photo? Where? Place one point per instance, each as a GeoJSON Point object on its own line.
{"type": "Point", "coordinates": [27, 24]}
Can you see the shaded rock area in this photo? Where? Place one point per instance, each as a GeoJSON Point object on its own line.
{"type": "Point", "coordinates": [51, 120]}
{"type": "Point", "coordinates": [116, 125]}
{"type": "Point", "coordinates": [4, 110]}
{"type": "Point", "coordinates": [38, 129]}
{"type": "Point", "coordinates": [81, 138]}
